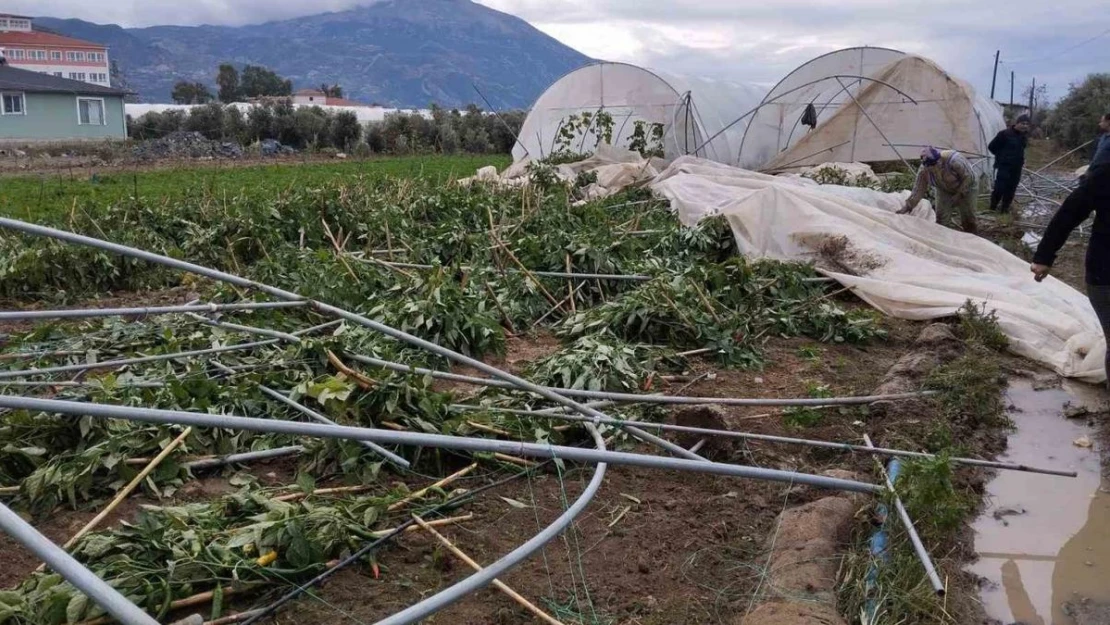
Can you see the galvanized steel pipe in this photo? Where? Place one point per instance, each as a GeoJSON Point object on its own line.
{"type": "Point", "coordinates": [646, 399]}
{"type": "Point", "coordinates": [535, 450]}
{"type": "Point", "coordinates": [73, 571]}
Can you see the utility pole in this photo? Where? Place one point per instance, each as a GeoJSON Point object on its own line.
{"type": "Point", "coordinates": [1032, 92]}
{"type": "Point", "coordinates": [1011, 88]}
{"type": "Point", "coordinates": [994, 78]}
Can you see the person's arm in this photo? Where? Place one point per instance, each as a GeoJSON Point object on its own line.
{"type": "Point", "coordinates": [995, 143]}
{"type": "Point", "coordinates": [1074, 211]}
{"type": "Point", "coordinates": [920, 187]}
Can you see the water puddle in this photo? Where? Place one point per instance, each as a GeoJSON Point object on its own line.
{"type": "Point", "coordinates": [1044, 541]}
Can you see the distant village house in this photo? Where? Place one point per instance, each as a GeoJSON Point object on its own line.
{"type": "Point", "coordinates": [36, 106]}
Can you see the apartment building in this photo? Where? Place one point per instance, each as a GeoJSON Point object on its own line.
{"type": "Point", "coordinates": [23, 47]}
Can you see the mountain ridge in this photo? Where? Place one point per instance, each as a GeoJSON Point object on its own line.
{"type": "Point", "coordinates": [405, 54]}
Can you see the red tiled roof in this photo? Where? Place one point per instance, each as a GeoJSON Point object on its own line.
{"type": "Point", "coordinates": [343, 102]}
{"type": "Point", "coordinates": [37, 38]}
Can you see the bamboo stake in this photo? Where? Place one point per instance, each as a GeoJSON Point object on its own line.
{"type": "Point", "coordinates": [364, 382]}
{"type": "Point", "coordinates": [570, 289]}
{"type": "Point", "coordinates": [517, 461]}
{"type": "Point", "coordinates": [9, 490]}
{"type": "Point", "coordinates": [234, 618]}
{"type": "Point", "coordinates": [531, 276]}
{"type": "Point", "coordinates": [325, 491]}
{"type": "Point", "coordinates": [414, 528]}
{"type": "Point", "coordinates": [485, 428]}
{"type": "Point", "coordinates": [98, 519]}
{"type": "Point", "coordinates": [180, 604]}
{"type": "Point", "coordinates": [440, 484]}
{"type": "Point", "coordinates": [515, 596]}
{"type": "Point", "coordinates": [339, 253]}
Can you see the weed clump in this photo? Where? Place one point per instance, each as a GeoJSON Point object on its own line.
{"type": "Point", "coordinates": [980, 327]}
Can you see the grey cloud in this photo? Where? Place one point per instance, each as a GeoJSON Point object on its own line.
{"type": "Point", "coordinates": [962, 36]}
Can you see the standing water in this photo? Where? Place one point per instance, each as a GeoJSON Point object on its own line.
{"type": "Point", "coordinates": [1044, 541]}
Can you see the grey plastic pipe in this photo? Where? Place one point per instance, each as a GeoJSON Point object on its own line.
{"type": "Point", "coordinates": [247, 456]}
{"type": "Point", "coordinates": [479, 580]}
{"type": "Point", "coordinates": [124, 250]}
{"type": "Point", "coordinates": [145, 359]}
{"type": "Point", "coordinates": [535, 450]}
{"type": "Point", "coordinates": [312, 414]}
{"type": "Point", "coordinates": [552, 413]}
{"type": "Point", "coordinates": [915, 539]}
{"type": "Point", "coordinates": [646, 399]}
{"type": "Point", "coordinates": [86, 313]}
{"type": "Point", "coordinates": [73, 571]}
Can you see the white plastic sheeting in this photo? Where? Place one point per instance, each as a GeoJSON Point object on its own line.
{"type": "Point", "coordinates": [365, 114]}
{"type": "Point", "coordinates": [691, 111]}
{"type": "Point", "coordinates": [948, 113]}
{"type": "Point", "coordinates": [906, 266]}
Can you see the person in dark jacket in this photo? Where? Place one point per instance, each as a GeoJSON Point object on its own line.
{"type": "Point", "coordinates": [1008, 148]}
{"type": "Point", "coordinates": [1092, 195]}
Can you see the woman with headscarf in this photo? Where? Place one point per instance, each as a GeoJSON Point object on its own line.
{"type": "Point", "coordinates": [955, 182]}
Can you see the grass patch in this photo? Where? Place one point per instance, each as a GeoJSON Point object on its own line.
{"type": "Point", "coordinates": [52, 198]}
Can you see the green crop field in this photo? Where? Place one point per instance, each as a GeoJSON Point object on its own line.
{"type": "Point", "coordinates": [52, 197]}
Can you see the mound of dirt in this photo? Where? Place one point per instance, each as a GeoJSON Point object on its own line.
{"type": "Point", "coordinates": [184, 144]}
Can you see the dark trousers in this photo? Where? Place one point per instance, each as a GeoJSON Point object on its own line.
{"type": "Point", "coordinates": [1100, 300]}
{"type": "Point", "coordinates": [1006, 181]}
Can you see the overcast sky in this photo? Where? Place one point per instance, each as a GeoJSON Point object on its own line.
{"type": "Point", "coordinates": [1058, 41]}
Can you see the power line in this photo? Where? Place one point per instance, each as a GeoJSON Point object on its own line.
{"type": "Point", "coordinates": [1061, 52]}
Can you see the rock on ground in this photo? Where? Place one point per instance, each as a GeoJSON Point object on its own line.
{"type": "Point", "coordinates": [709, 417]}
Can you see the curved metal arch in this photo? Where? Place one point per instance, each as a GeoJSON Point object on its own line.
{"type": "Point", "coordinates": [810, 62]}
{"type": "Point", "coordinates": [798, 88]}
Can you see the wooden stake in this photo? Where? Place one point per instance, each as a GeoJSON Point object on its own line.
{"type": "Point", "coordinates": [515, 596]}
{"type": "Point", "coordinates": [440, 484]}
{"type": "Point", "coordinates": [91, 525]}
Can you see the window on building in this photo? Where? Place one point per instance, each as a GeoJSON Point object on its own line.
{"type": "Point", "coordinates": [16, 54]}
{"type": "Point", "coordinates": [55, 55]}
{"type": "Point", "coordinates": [58, 74]}
{"type": "Point", "coordinates": [3, 22]}
{"type": "Point", "coordinates": [20, 24]}
{"type": "Point", "coordinates": [90, 111]}
{"type": "Point", "coordinates": [13, 104]}
{"type": "Point", "coordinates": [39, 55]}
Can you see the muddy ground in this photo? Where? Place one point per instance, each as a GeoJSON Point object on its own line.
{"type": "Point", "coordinates": [654, 547]}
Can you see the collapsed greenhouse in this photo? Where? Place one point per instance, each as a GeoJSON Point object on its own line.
{"type": "Point", "coordinates": [654, 112]}
{"type": "Point", "coordinates": [867, 105]}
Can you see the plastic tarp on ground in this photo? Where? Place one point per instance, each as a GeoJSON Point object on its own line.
{"type": "Point", "coordinates": [948, 113]}
{"type": "Point", "coordinates": [906, 266]}
{"type": "Point", "coordinates": [690, 110]}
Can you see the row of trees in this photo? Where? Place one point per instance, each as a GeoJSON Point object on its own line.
{"type": "Point", "coordinates": [1073, 121]}
{"type": "Point", "coordinates": [234, 86]}
{"type": "Point", "coordinates": [313, 128]}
